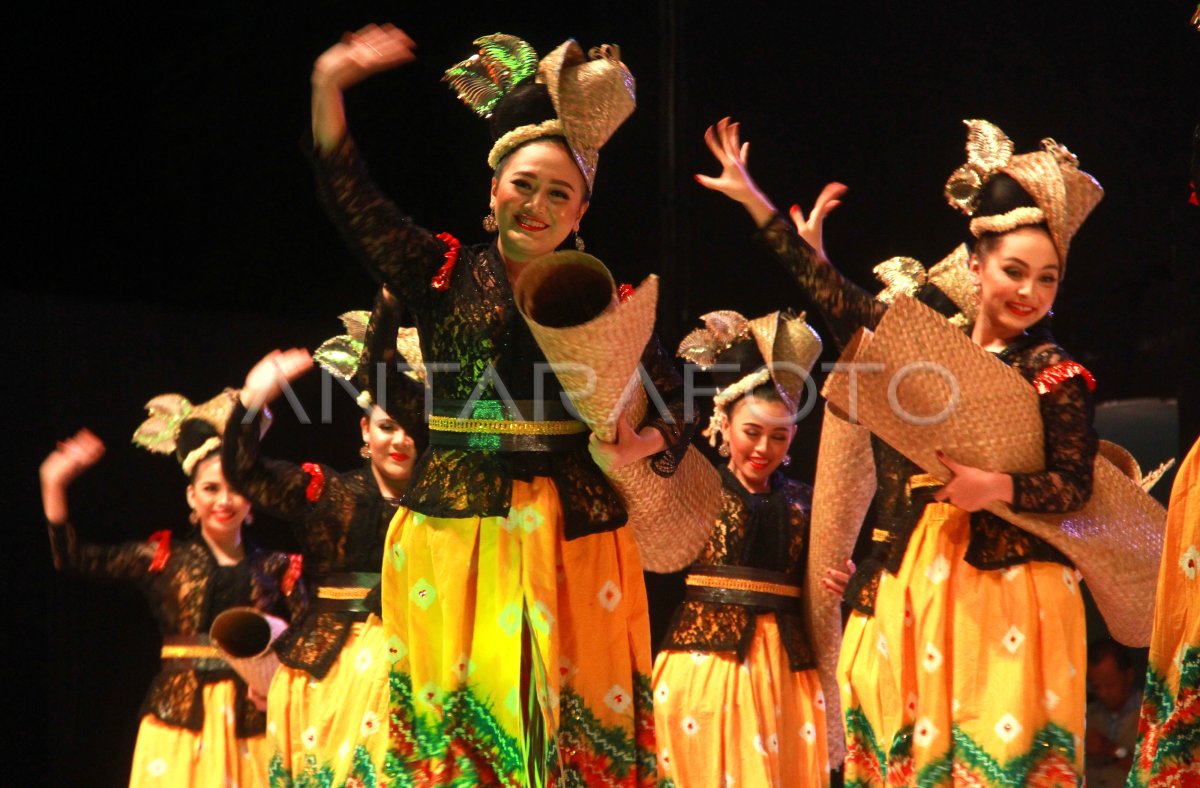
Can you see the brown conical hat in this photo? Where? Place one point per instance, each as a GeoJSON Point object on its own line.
{"type": "Point", "coordinates": [1065, 193]}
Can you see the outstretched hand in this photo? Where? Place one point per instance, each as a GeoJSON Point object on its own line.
{"type": "Point", "coordinates": [972, 489]}
{"type": "Point", "coordinates": [630, 446]}
{"type": "Point", "coordinates": [358, 55]}
{"type": "Point", "coordinates": [810, 229]}
{"type": "Point", "coordinates": [266, 380]}
{"type": "Point", "coordinates": [64, 465]}
{"type": "Point", "coordinates": [734, 181]}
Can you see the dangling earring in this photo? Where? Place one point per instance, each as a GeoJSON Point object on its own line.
{"type": "Point", "coordinates": [723, 449]}
{"type": "Point", "coordinates": [365, 452]}
{"type": "Point", "coordinates": [194, 518]}
{"type": "Point", "coordinates": [489, 222]}
{"type": "Point", "coordinates": [786, 461]}
{"type": "Point", "coordinates": [579, 244]}
{"type": "Point", "coordinates": [977, 290]}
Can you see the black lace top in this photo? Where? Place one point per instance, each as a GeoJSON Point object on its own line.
{"type": "Point", "coordinates": [186, 589]}
{"type": "Point", "coordinates": [339, 519]}
{"type": "Point", "coordinates": [472, 329]}
{"type": "Point", "coordinates": [1067, 413]}
{"type": "Point", "coordinates": [763, 531]}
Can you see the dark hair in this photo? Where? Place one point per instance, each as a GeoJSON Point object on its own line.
{"type": "Point", "coordinates": [192, 435]}
{"type": "Point", "coordinates": [527, 104]}
{"type": "Point", "coordinates": [1001, 194]}
{"type": "Point", "coordinates": [1110, 649]}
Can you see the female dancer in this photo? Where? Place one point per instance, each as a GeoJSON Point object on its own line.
{"type": "Point", "coordinates": [972, 666]}
{"type": "Point", "coordinates": [513, 596]}
{"type": "Point", "coordinates": [199, 727]}
{"type": "Point", "coordinates": [327, 708]}
{"type": "Point", "coordinates": [764, 725]}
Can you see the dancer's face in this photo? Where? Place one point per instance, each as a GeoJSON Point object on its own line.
{"type": "Point", "coordinates": [1018, 281]}
{"type": "Point", "coordinates": [220, 509]}
{"type": "Point", "coordinates": [538, 197]}
{"type": "Point", "coordinates": [760, 432]}
{"type": "Point", "coordinates": [392, 449]}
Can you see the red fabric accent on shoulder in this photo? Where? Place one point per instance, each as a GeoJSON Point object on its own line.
{"type": "Point", "coordinates": [441, 280]}
{"type": "Point", "coordinates": [295, 567]}
{"type": "Point", "coordinates": [624, 292]}
{"type": "Point", "coordinates": [316, 484]}
{"type": "Point", "coordinates": [162, 540]}
{"type": "Point", "coordinates": [1051, 376]}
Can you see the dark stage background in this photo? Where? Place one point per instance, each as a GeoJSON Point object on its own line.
{"type": "Point", "coordinates": [166, 235]}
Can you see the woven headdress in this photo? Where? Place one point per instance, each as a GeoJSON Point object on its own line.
{"type": "Point", "coordinates": [581, 99]}
{"type": "Point", "coordinates": [1061, 194]}
{"type": "Point", "coordinates": [778, 348]}
{"type": "Point", "coordinates": [190, 432]}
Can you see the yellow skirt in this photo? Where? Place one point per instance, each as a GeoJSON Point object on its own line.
{"type": "Point", "coordinates": [1168, 749]}
{"type": "Point", "coordinates": [724, 722]}
{"type": "Point", "coordinates": [326, 732]}
{"type": "Point", "coordinates": [166, 755]}
{"type": "Point", "coordinates": [965, 676]}
{"type": "Point", "coordinates": [517, 657]}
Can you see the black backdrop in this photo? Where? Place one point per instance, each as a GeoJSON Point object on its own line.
{"type": "Point", "coordinates": [163, 233]}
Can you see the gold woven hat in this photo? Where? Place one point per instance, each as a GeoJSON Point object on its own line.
{"type": "Point", "coordinates": [842, 491]}
{"type": "Point", "coordinates": [1064, 194]}
{"type": "Point", "coordinates": [580, 98]}
{"type": "Point", "coordinates": [190, 432]}
{"type": "Point", "coordinates": [927, 387]}
{"type": "Point", "coordinates": [594, 342]}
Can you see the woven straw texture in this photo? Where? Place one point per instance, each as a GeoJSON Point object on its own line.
{"type": "Point", "coordinates": [842, 492]}
{"type": "Point", "coordinates": [984, 414]}
{"type": "Point", "coordinates": [597, 364]}
{"type": "Point", "coordinates": [256, 670]}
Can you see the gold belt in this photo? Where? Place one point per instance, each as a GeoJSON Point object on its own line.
{"type": "Point", "coordinates": [881, 535]}
{"type": "Point", "coordinates": [342, 592]}
{"type": "Point", "coordinates": [506, 427]}
{"type": "Point", "coordinates": [741, 584]}
{"type": "Point", "coordinates": [192, 651]}
{"type": "Point", "coordinates": [919, 480]}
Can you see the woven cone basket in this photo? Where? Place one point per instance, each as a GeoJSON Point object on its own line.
{"type": "Point", "coordinates": [842, 492]}
{"type": "Point", "coordinates": [924, 386]}
{"type": "Point", "coordinates": [597, 363]}
{"type": "Point", "coordinates": [243, 636]}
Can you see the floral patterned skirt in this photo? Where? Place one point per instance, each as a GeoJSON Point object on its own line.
{"type": "Point", "coordinates": [965, 676]}
{"type": "Point", "coordinates": [1168, 749]}
{"type": "Point", "coordinates": [167, 755]}
{"type": "Point", "coordinates": [517, 657]}
{"type": "Point", "coordinates": [332, 732]}
{"type": "Point", "coordinates": [720, 721]}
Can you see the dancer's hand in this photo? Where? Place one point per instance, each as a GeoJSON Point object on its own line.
{"type": "Point", "coordinates": [835, 582]}
{"type": "Point", "coordinates": [810, 229]}
{"type": "Point", "coordinates": [64, 465]}
{"type": "Point", "coordinates": [972, 489]}
{"type": "Point", "coordinates": [735, 181]}
{"type": "Point", "coordinates": [265, 382]}
{"type": "Point", "coordinates": [358, 55]}
{"type": "Point", "coordinates": [630, 446]}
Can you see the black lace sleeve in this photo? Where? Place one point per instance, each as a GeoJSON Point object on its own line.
{"type": "Point", "coordinates": [129, 562]}
{"type": "Point", "coordinates": [277, 486]}
{"type": "Point", "coordinates": [395, 251]}
{"type": "Point", "coordinates": [844, 306]}
{"type": "Point", "coordinates": [666, 408]}
{"type": "Point", "coordinates": [1070, 442]}
{"type": "Point", "coordinates": [403, 397]}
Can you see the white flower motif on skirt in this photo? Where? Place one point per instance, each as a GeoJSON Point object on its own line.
{"type": "Point", "coordinates": [773, 743]}
{"type": "Point", "coordinates": [617, 698]}
{"type": "Point", "coordinates": [566, 669]}
{"type": "Point", "coordinates": [1008, 728]}
{"type": "Point", "coordinates": [1011, 573]}
{"type": "Point", "coordinates": [933, 658]}
{"type": "Point", "coordinates": [509, 619]}
{"type": "Point", "coordinates": [430, 695]}
{"type": "Point", "coordinates": [819, 700]}
{"type": "Point", "coordinates": [609, 596]}
{"type": "Point", "coordinates": [1189, 562]}
{"type": "Point", "coordinates": [464, 666]}
{"type": "Point", "coordinates": [1069, 579]}
{"type": "Point", "coordinates": [422, 593]}
{"type": "Point", "coordinates": [661, 693]}
{"type": "Point", "coordinates": [309, 738]}
{"type": "Point", "coordinates": [1013, 639]}
{"type": "Point", "coordinates": [909, 618]}
{"type": "Point", "coordinates": [758, 744]}
{"type": "Point", "coordinates": [729, 781]}
{"type": "Point", "coordinates": [363, 660]}
{"type": "Point", "coordinates": [157, 767]}
{"type": "Point", "coordinates": [954, 705]}
{"type": "Point", "coordinates": [540, 618]}
{"type": "Point", "coordinates": [911, 704]}
{"type": "Point", "coordinates": [699, 657]}
{"type": "Point", "coordinates": [398, 556]}
{"type": "Point", "coordinates": [395, 649]}
{"type": "Point", "coordinates": [370, 724]}
{"type": "Point", "coordinates": [344, 751]}
{"type": "Point", "coordinates": [689, 726]}
{"type": "Point", "coordinates": [809, 732]}
{"type": "Point", "coordinates": [1050, 702]}
{"type": "Point", "coordinates": [882, 645]}
{"type": "Point", "coordinates": [939, 570]}
{"type": "Point", "coordinates": [664, 760]}
{"type": "Point", "coordinates": [924, 732]}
